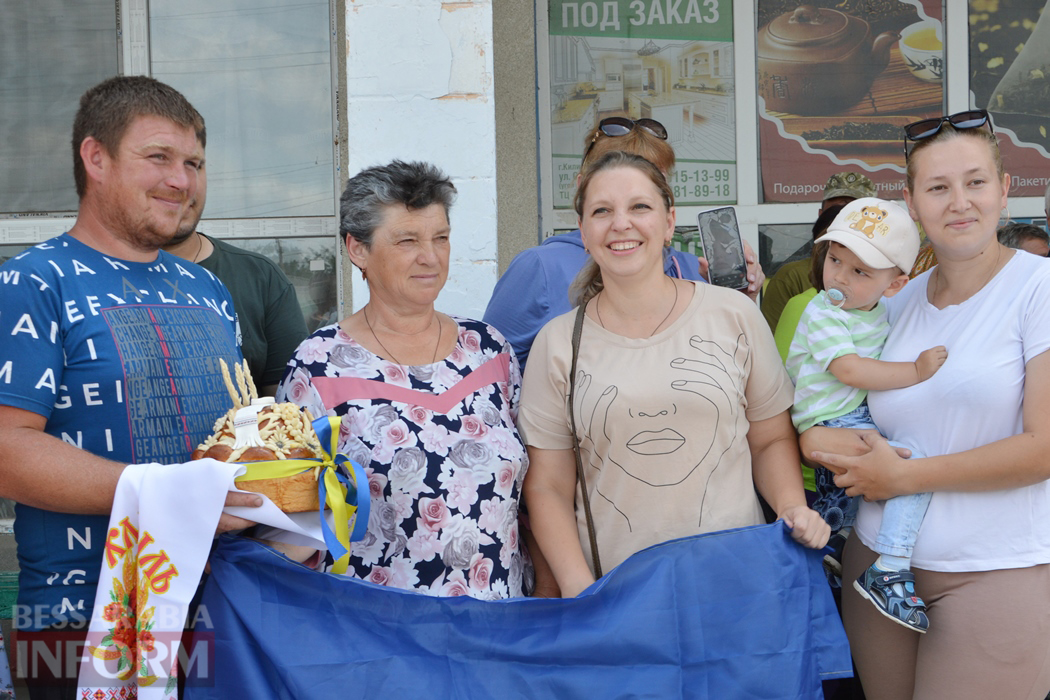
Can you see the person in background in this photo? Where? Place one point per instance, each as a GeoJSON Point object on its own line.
{"type": "Point", "coordinates": [271, 320]}
{"type": "Point", "coordinates": [1027, 237]}
{"type": "Point", "coordinates": [428, 401]}
{"type": "Point", "coordinates": [1046, 203]}
{"type": "Point", "coordinates": [793, 278]}
{"type": "Point", "coordinates": [925, 260]}
{"type": "Point", "coordinates": [111, 353]}
{"type": "Point", "coordinates": [535, 287]}
{"type": "Point", "coordinates": [982, 559]}
{"type": "Point", "coordinates": [787, 324]}
{"type": "Point", "coordinates": [842, 188]}
{"type": "Point", "coordinates": [680, 402]}
{"type": "Point", "coordinates": [792, 311]}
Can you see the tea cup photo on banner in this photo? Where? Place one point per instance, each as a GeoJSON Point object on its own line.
{"type": "Point", "coordinates": [922, 48]}
{"type": "Point", "coordinates": [837, 81]}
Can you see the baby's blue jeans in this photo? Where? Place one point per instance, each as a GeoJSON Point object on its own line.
{"type": "Point", "coordinates": [902, 516]}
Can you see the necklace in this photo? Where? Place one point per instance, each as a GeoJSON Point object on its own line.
{"type": "Point", "coordinates": [598, 312]}
{"type": "Point", "coordinates": [991, 274]}
{"type": "Point", "coordinates": [437, 345]}
{"type": "Point", "coordinates": [200, 245]}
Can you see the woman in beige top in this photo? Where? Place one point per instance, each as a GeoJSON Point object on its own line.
{"type": "Point", "coordinates": [681, 402]}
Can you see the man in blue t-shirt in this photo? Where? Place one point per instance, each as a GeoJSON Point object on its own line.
{"type": "Point", "coordinates": [110, 352]}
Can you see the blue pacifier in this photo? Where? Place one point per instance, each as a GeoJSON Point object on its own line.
{"type": "Point", "coordinates": [835, 297]}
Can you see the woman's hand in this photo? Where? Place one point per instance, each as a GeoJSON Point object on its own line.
{"type": "Point", "coordinates": [550, 496]}
{"type": "Point", "coordinates": [546, 584]}
{"type": "Point", "coordinates": [837, 441]}
{"type": "Point", "coordinates": [878, 474]}
{"type": "Point", "coordinates": [807, 527]}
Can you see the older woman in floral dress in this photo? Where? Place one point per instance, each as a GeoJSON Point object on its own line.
{"type": "Point", "coordinates": [428, 401]}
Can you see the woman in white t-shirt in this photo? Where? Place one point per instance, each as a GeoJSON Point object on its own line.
{"type": "Point", "coordinates": [681, 402]}
{"type": "Point", "coordinates": [982, 558]}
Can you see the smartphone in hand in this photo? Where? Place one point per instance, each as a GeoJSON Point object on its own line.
{"type": "Point", "coordinates": [723, 248]}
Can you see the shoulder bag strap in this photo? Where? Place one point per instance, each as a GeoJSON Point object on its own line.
{"type": "Point", "coordinates": [675, 267]}
{"type": "Point", "coordinates": [577, 331]}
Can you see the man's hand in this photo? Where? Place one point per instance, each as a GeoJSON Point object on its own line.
{"type": "Point", "coordinates": [232, 522]}
{"type": "Point", "coordinates": [755, 275]}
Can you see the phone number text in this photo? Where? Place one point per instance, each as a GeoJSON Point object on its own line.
{"type": "Point", "coordinates": [693, 184]}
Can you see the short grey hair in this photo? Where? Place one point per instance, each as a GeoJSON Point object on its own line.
{"type": "Point", "coordinates": [415, 185]}
{"type": "Point", "coordinates": [1013, 234]}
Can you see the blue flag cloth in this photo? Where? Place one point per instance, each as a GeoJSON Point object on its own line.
{"type": "Point", "coordinates": [743, 613]}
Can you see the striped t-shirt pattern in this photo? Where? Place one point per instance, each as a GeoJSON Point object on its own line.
{"type": "Point", "coordinates": [825, 333]}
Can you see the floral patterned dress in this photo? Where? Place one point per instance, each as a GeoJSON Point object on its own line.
{"type": "Point", "coordinates": [7, 690]}
{"type": "Point", "coordinates": [444, 460]}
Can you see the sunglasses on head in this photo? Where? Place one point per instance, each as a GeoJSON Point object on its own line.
{"type": "Point", "coordinates": [925, 128]}
{"type": "Point", "coordinates": [621, 126]}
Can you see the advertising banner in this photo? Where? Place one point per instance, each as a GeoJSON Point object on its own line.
{"type": "Point", "coordinates": [837, 81]}
{"type": "Point", "coordinates": [1010, 77]}
{"type": "Point", "coordinates": [668, 60]}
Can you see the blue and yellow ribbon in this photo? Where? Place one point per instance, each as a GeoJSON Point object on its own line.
{"type": "Point", "coordinates": [342, 485]}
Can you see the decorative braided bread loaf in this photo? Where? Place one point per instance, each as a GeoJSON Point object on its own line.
{"type": "Point", "coordinates": [279, 431]}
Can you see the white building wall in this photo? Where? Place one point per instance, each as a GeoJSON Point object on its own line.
{"type": "Point", "coordinates": [419, 87]}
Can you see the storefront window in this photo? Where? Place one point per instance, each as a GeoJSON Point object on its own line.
{"type": "Point", "coordinates": [260, 72]}
{"type": "Point", "coordinates": [310, 265]}
{"type": "Point", "coordinates": [50, 53]}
